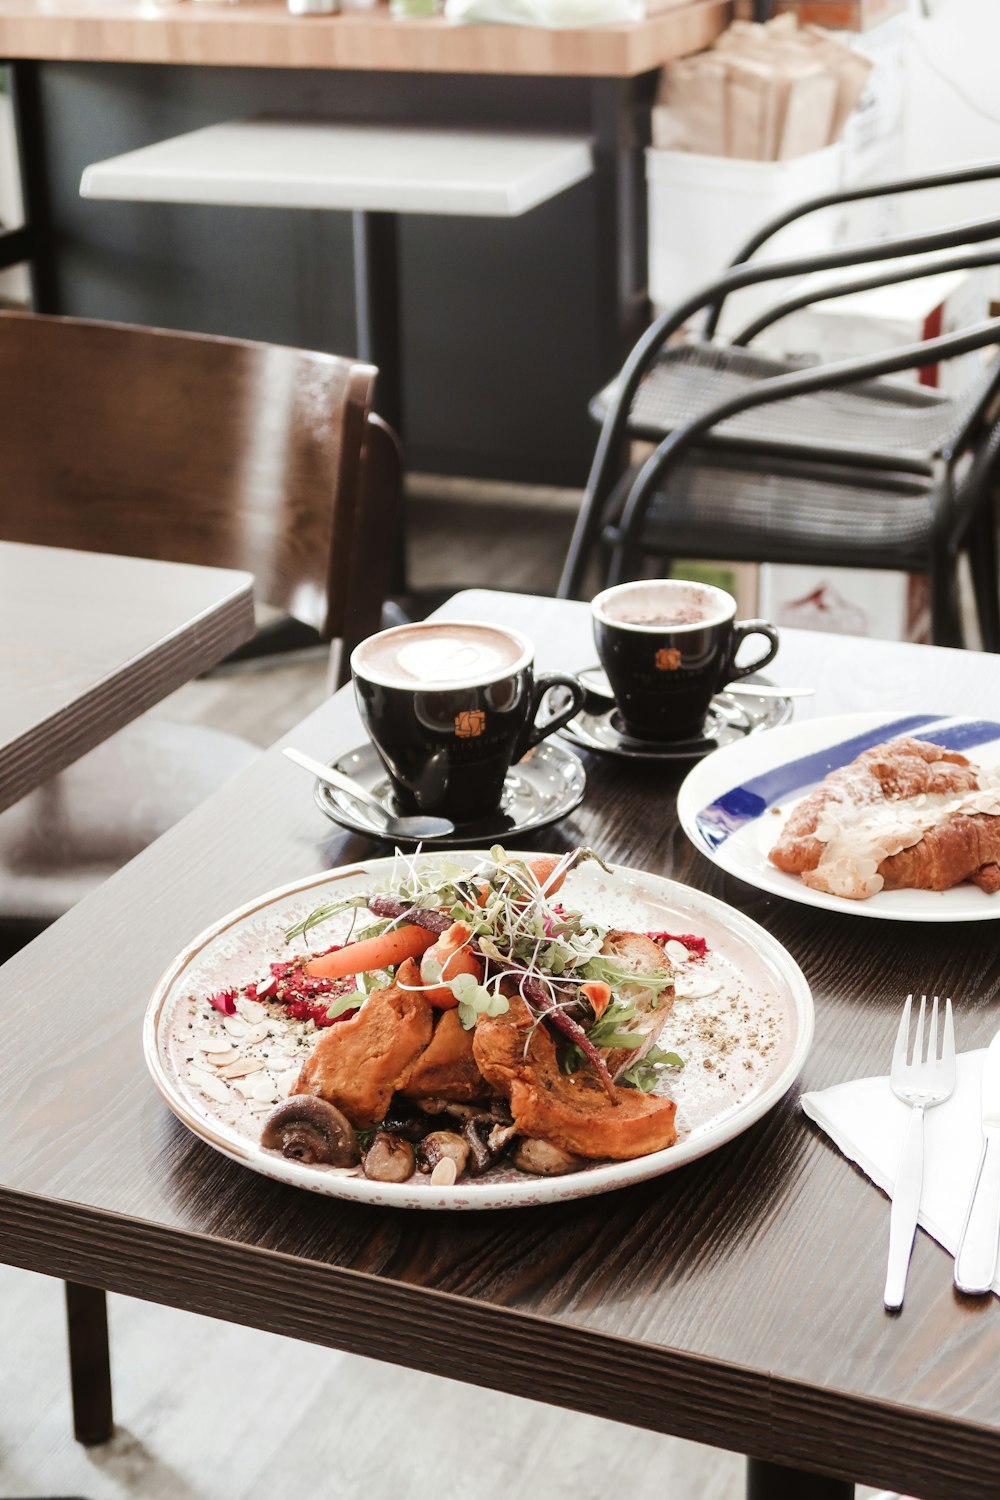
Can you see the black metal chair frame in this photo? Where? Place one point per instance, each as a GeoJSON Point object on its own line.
{"type": "Point", "coordinates": [609, 460]}
{"type": "Point", "coordinates": [957, 496]}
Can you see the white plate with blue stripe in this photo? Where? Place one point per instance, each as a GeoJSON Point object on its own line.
{"type": "Point", "coordinates": [734, 804]}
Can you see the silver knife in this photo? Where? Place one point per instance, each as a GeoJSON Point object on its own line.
{"type": "Point", "coordinates": [976, 1261]}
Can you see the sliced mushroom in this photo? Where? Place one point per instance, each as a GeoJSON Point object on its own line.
{"type": "Point", "coordinates": [307, 1129]}
{"type": "Point", "coordinates": [404, 1119]}
{"type": "Point", "coordinates": [500, 1138]}
{"type": "Point", "coordinates": [487, 1143]}
{"type": "Point", "coordinates": [439, 1144]}
{"type": "Point", "coordinates": [480, 1155]}
{"type": "Point", "coordinates": [490, 1110]}
{"type": "Point", "coordinates": [543, 1159]}
{"type": "Point", "coordinates": [389, 1158]}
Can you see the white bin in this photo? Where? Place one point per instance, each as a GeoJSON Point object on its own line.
{"type": "Point", "coordinates": [703, 208]}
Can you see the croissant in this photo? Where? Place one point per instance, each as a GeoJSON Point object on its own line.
{"type": "Point", "coordinates": [904, 815]}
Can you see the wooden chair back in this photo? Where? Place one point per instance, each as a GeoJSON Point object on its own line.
{"type": "Point", "coordinates": [201, 450]}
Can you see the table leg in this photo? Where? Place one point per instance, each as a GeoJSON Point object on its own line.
{"type": "Point", "coordinates": [89, 1363]}
{"type": "Point", "coordinates": [26, 98]}
{"type": "Point", "coordinates": [377, 308]}
{"type": "Point", "coordinates": [377, 313]}
{"type": "Point", "coordinates": [767, 1481]}
{"type": "Point", "coordinates": [620, 113]}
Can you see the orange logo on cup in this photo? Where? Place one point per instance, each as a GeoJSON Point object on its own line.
{"type": "Point", "coordinates": [668, 659]}
{"type": "Point", "coordinates": [470, 723]}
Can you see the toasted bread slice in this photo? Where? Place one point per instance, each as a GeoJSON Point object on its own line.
{"type": "Point", "coordinates": [635, 953]}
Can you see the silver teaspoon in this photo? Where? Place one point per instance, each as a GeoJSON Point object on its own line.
{"type": "Point", "coordinates": [419, 827]}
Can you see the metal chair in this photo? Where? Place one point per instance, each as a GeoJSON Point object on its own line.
{"type": "Point", "coordinates": [792, 479]}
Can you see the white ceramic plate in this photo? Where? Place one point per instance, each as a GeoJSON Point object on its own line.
{"type": "Point", "coordinates": [734, 805]}
{"type": "Point", "coordinates": [743, 1044]}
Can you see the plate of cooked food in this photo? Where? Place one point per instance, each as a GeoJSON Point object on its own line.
{"type": "Point", "coordinates": [887, 816]}
{"type": "Point", "coordinates": [477, 1030]}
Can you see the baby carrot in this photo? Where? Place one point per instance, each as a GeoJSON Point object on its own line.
{"type": "Point", "coordinates": [380, 952]}
{"type": "Point", "coordinates": [452, 953]}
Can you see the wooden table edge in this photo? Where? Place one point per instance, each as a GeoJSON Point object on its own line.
{"type": "Point", "coordinates": [650, 1386]}
{"type": "Point", "coordinates": [123, 694]}
{"type": "Point", "coordinates": [266, 35]}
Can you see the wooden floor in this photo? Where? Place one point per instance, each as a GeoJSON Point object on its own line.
{"type": "Point", "coordinates": [206, 1411]}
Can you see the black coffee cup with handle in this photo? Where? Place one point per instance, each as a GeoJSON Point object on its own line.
{"type": "Point", "coordinates": [450, 706]}
{"type": "Point", "coordinates": [667, 646]}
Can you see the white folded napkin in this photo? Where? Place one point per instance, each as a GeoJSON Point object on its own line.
{"type": "Point", "coordinates": [868, 1123]}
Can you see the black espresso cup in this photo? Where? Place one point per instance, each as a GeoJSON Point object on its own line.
{"type": "Point", "coordinates": [450, 706]}
{"type": "Point", "coordinates": [667, 646]}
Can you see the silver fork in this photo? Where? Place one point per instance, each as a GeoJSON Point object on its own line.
{"type": "Point", "coordinates": [921, 1082]}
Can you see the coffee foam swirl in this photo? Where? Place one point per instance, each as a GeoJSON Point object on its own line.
{"type": "Point", "coordinates": [440, 655]}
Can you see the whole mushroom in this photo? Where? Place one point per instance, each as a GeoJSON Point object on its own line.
{"type": "Point", "coordinates": [307, 1129]}
{"type": "Point", "coordinates": [543, 1159]}
{"type": "Point", "coordinates": [439, 1146]}
{"type": "Point", "coordinates": [389, 1158]}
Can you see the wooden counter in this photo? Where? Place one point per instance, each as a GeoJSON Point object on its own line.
{"type": "Point", "coordinates": [265, 35]}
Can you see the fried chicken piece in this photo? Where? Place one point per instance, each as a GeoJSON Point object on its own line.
{"type": "Point", "coordinates": [637, 954]}
{"type": "Point", "coordinates": [446, 1069]}
{"type": "Point", "coordinates": [357, 1064]}
{"type": "Point", "coordinates": [572, 1111]}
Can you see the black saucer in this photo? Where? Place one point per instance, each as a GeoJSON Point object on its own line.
{"type": "Point", "coordinates": [729, 718]}
{"type": "Point", "coordinates": [543, 787]}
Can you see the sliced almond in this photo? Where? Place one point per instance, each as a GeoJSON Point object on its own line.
{"type": "Point", "coordinates": [210, 1084]}
{"type": "Point", "coordinates": [220, 1058]}
{"type": "Point", "coordinates": [266, 986]}
{"type": "Point", "coordinates": [242, 1067]}
{"type": "Point", "coordinates": [256, 1034]}
{"type": "Point", "coordinates": [445, 1173]}
{"type": "Point", "coordinates": [285, 1082]}
{"type": "Point", "coordinates": [236, 1026]}
{"type": "Point", "coordinates": [676, 952]}
{"type": "Point", "coordinates": [250, 1011]}
{"type": "Point", "coordinates": [696, 986]}
{"type": "Point", "coordinates": [265, 1089]}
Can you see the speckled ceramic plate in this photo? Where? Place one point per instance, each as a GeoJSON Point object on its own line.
{"type": "Point", "coordinates": [743, 1030]}
{"type": "Point", "coordinates": [735, 804]}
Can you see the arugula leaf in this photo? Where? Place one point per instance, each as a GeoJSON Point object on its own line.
{"type": "Point", "coordinates": [607, 1031]}
{"type": "Point", "coordinates": [341, 1004]}
{"type": "Point", "coordinates": [643, 1075]}
{"type": "Point", "coordinates": [605, 970]}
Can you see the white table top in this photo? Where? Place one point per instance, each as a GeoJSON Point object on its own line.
{"type": "Point", "coordinates": [314, 164]}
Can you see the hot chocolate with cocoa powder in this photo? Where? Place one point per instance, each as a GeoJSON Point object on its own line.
{"type": "Point", "coordinates": [667, 646]}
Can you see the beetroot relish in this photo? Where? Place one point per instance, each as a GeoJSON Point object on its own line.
{"type": "Point", "coordinates": [304, 997]}
{"type": "Point", "coordinates": [695, 945]}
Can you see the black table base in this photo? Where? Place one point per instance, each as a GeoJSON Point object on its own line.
{"type": "Point", "coordinates": [767, 1481]}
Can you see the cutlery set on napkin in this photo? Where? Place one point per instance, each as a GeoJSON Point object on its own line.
{"type": "Point", "coordinates": [929, 1136]}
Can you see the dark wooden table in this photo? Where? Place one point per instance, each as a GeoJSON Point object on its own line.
{"type": "Point", "coordinates": [88, 642]}
{"type": "Point", "coordinates": [736, 1302]}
